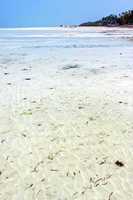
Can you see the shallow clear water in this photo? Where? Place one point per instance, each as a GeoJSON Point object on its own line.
{"type": "Point", "coordinates": [25, 45]}
{"type": "Point", "coordinates": [64, 38]}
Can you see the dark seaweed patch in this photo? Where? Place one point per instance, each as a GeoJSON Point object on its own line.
{"type": "Point", "coordinates": [6, 73]}
{"type": "Point", "coordinates": [71, 67]}
{"type": "Point", "coordinates": [27, 79]}
{"type": "Point", "coordinates": [119, 163]}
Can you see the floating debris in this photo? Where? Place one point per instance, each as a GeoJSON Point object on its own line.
{"type": "Point", "coordinates": [119, 163]}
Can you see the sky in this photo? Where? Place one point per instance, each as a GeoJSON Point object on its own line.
{"type": "Point", "coordinates": [38, 13]}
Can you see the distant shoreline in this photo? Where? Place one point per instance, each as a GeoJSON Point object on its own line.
{"type": "Point", "coordinates": [66, 26]}
{"type": "Point", "coordinates": [118, 26]}
{"type": "Point", "coordinates": [123, 19]}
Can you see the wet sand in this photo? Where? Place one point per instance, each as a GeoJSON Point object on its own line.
{"type": "Point", "coordinates": [66, 122]}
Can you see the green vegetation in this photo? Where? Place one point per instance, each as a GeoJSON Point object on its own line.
{"type": "Point", "coordinates": [126, 18]}
{"type": "Point", "coordinates": [26, 113]}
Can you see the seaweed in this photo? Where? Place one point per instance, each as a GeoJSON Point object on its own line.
{"type": "Point", "coordinates": [26, 113]}
{"type": "Point", "coordinates": [27, 79]}
{"type": "Point", "coordinates": [71, 67]}
{"type": "Point", "coordinates": [119, 163]}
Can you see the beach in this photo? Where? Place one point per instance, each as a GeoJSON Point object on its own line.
{"type": "Point", "coordinates": [66, 114]}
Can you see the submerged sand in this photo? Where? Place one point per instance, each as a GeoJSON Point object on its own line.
{"type": "Point", "coordinates": [66, 122]}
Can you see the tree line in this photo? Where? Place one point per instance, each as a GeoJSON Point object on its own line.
{"type": "Point", "coordinates": [125, 18]}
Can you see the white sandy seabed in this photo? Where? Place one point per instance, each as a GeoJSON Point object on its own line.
{"type": "Point", "coordinates": [66, 114]}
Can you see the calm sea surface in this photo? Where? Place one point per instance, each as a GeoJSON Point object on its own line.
{"type": "Point", "coordinates": [15, 44]}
